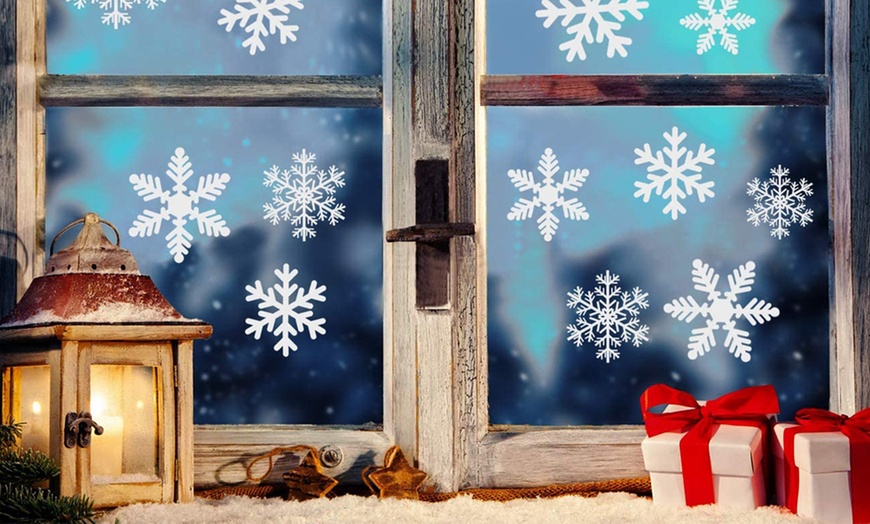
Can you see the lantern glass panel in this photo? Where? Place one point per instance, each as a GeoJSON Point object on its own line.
{"type": "Point", "coordinates": [124, 402]}
{"type": "Point", "coordinates": [29, 399]}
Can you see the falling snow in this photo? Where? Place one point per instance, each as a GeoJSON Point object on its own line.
{"type": "Point", "coordinates": [578, 18]}
{"type": "Point", "coordinates": [549, 195]}
{"type": "Point", "coordinates": [116, 12]}
{"type": "Point", "coordinates": [722, 310]}
{"type": "Point", "coordinates": [286, 310]}
{"type": "Point", "coordinates": [717, 22]}
{"type": "Point", "coordinates": [780, 202]}
{"type": "Point", "coordinates": [304, 195]}
{"type": "Point", "coordinates": [608, 316]}
{"type": "Point", "coordinates": [179, 205]}
{"type": "Point", "coordinates": [261, 18]}
{"type": "Point", "coordinates": [680, 176]}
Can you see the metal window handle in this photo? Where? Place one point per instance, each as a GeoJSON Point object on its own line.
{"type": "Point", "coordinates": [77, 429]}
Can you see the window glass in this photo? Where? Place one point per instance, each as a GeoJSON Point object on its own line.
{"type": "Point", "coordinates": [631, 246]}
{"type": "Point", "coordinates": [184, 37]}
{"type": "Point", "coordinates": [665, 37]}
{"type": "Point", "coordinates": [269, 229]}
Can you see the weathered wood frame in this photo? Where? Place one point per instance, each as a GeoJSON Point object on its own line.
{"type": "Point", "coordinates": [435, 380]}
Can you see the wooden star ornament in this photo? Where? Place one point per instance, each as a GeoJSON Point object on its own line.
{"type": "Point", "coordinates": [307, 480]}
{"type": "Point", "coordinates": [397, 479]}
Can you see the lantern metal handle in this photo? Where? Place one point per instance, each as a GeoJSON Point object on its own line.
{"type": "Point", "coordinates": [82, 221]}
{"type": "Point", "coordinates": [77, 429]}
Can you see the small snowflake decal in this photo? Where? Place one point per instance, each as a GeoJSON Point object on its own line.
{"type": "Point", "coordinates": [780, 202]}
{"type": "Point", "coordinates": [179, 205]}
{"type": "Point", "coordinates": [548, 194]}
{"type": "Point", "coordinates": [285, 310]}
{"type": "Point", "coordinates": [579, 18]}
{"type": "Point", "coordinates": [607, 316]}
{"type": "Point", "coordinates": [262, 18]}
{"type": "Point", "coordinates": [304, 195]}
{"type": "Point", "coordinates": [681, 175]}
{"type": "Point", "coordinates": [721, 310]}
{"type": "Point", "coordinates": [717, 21]}
{"type": "Point", "coordinates": [115, 12]}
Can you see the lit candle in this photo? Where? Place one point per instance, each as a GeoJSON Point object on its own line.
{"type": "Point", "coordinates": [107, 450]}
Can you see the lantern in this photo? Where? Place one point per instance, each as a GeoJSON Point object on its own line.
{"type": "Point", "coordinates": [99, 366]}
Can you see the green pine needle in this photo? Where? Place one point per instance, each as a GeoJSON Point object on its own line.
{"type": "Point", "coordinates": [25, 467]}
{"type": "Point", "coordinates": [10, 433]}
{"type": "Point", "coordinates": [23, 504]}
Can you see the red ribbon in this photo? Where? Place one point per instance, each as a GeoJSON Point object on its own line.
{"type": "Point", "coordinates": [745, 407]}
{"type": "Point", "coordinates": [857, 429]}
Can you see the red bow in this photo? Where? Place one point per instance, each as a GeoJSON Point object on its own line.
{"type": "Point", "coordinates": [744, 407]}
{"type": "Point", "coordinates": [857, 429]}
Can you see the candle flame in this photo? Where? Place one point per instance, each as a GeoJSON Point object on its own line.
{"type": "Point", "coordinates": [36, 407]}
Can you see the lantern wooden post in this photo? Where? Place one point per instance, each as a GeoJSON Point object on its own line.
{"type": "Point", "coordinates": [116, 361]}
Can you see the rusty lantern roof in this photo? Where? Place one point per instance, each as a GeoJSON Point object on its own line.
{"type": "Point", "coordinates": [93, 281]}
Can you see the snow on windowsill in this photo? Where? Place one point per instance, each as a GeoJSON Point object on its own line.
{"type": "Point", "coordinates": [610, 508]}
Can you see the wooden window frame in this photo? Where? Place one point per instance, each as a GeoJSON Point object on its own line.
{"type": "Point", "coordinates": [435, 380]}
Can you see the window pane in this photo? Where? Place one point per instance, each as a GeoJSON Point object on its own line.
{"type": "Point", "coordinates": [565, 347]}
{"type": "Point", "coordinates": [183, 37]}
{"type": "Point", "coordinates": [30, 402]}
{"type": "Point", "coordinates": [764, 37]}
{"type": "Point", "coordinates": [124, 403]}
{"type": "Point", "coordinates": [305, 170]}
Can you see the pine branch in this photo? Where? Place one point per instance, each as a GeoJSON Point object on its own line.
{"type": "Point", "coordinates": [23, 504]}
{"type": "Point", "coordinates": [25, 467]}
{"type": "Point", "coordinates": [10, 433]}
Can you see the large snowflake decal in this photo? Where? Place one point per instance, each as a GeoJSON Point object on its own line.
{"type": "Point", "coordinates": [717, 21]}
{"type": "Point", "coordinates": [261, 18]}
{"type": "Point", "coordinates": [285, 310]}
{"type": "Point", "coordinates": [179, 205]}
{"type": "Point", "coordinates": [548, 194]}
{"type": "Point", "coordinates": [587, 12]}
{"type": "Point", "coordinates": [607, 316]}
{"type": "Point", "coordinates": [116, 12]}
{"type": "Point", "coordinates": [721, 310]}
{"type": "Point", "coordinates": [780, 202]}
{"type": "Point", "coordinates": [681, 173]}
{"type": "Point", "coordinates": [304, 195]}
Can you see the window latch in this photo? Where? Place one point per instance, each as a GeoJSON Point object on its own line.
{"type": "Point", "coordinates": [431, 232]}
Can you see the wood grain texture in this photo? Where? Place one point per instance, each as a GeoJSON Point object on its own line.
{"type": "Point", "coordinates": [842, 336]}
{"type": "Point", "coordinates": [860, 193]}
{"type": "Point", "coordinates": [30, 150]}
{"type": "Point", "coordinates": [8, 168]}
{"type": "Point", "coordinates": [184, 421]}
{"type": "Point", "coordinates": [231, 91]}
{"type": "Point", "coordinates": [526, 458]}
{"type": "Point", "coordinates": [430, 81]}
{"type": "Point", "coordinates": [654, 90]}
{"type": "Point", "coordinates": [221, 453]}
{"type": "Point", "coordinates": [468, 57]}
{"type": "Point", "coordinates": [400, 354]}
{"type": "Point", "coordinates": [435, 455]}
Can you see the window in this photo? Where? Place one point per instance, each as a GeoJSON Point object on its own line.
{"type": "Point", "coordinates": [445, 116]}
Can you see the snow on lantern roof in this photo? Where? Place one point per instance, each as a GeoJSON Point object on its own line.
{"type": "Point", "coordinates": [92, 282]}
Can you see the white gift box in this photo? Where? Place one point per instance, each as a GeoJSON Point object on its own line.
{"type": "Point", "coordinates": [824, 465]}
{"type": "Point", "coordinates": [735, 454]}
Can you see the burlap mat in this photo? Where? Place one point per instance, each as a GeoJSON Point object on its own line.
{"type": "Point", "coordinates": [638, 486]}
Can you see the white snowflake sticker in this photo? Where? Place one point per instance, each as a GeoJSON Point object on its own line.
{"type": "Point", "coordinates": [285, 310]}
{"type": "Point", "coordinates": [261, 18]}
{"type": "Point", "coordinates": [722, 310]}
{"type": "Point", "coordinates": [116, 12]}
{"type": "Point", "coordinates": [179, 205]}
{"type": "Point", "coordinates": [607, 316]}
{"type": "Point", "coordinates": [548, 194]}
{"type": "Point", "coordinates": [579, 17]}
{"type": "Point", "coordinates": [304, 195]}
{"type": "Point", "coordinates": [717, 21]}
{"type": "Point", "coordinates": [780, 202]}
{"type": "Point", "coordinates": [680, 174]}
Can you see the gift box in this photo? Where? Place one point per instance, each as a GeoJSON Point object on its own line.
{"type": "Point", "coordinates": [703, 453]}
{"type": "Point", "coordinates": [823, 466]}
{"type": "Point", "coordinates": [735, 455]}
